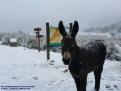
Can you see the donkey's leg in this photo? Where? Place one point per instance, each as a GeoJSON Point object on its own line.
{"type": "Point", "coordinates": [77, 81]}
{"type": "Point", "coordinates": [97, 74]}
{"type": "Point", "coordinates": [83, 83]}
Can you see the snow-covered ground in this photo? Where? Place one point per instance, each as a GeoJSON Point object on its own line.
{"type": "Point", "coordinates": [24, 67]}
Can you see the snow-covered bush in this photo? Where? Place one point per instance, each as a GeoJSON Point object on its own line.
{"type": "Point", "coordinates": [31, 44]}
{"type": "Point", "coordinates": [5, 40]}
{"type": "Point", "coordinates": [114, 53]}
{"type": "Point", "coordinates": [111, 42]}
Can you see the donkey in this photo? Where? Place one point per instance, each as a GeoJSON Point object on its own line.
{"type": "Point", "coordinates": [82, 60]}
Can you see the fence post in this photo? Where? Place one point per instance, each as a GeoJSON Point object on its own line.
{"type": "Point", "coordinates": [48, 40]}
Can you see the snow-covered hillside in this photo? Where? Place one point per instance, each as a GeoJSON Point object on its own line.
{"type": "Point", "coordinates": [24, 67]}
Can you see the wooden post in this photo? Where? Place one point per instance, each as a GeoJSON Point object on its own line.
{"type": "Point", "coordinates": [37, 30]}
{"type": "Point", "coordinates": [71, 27]}
{"type": "Point", "coordinates": [48, 40]}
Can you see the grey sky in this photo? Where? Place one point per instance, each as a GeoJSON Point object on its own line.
{"type": "Point", "coordinates": [24, 15]}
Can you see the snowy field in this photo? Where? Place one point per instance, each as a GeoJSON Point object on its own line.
{"type": "Point", "coordinates": [24, 67]}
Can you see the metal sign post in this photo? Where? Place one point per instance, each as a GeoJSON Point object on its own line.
{"type": "Point", "coordinates": [71, 27]}
{"type": "Point", "coordinates": [48, 40]}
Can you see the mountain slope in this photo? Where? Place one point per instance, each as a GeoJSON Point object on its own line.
{"type": "Point", "coordinates": [115, 27]}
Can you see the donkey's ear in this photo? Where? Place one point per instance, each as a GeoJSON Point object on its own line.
{"type": "Point", "coordinates": [75, 29]}
{"type": "Point", "coordinates": [62, 29]}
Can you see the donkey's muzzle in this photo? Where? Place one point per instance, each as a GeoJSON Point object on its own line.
{"type": "Point", "coordinates": [66, 57]}
{"type": "Point", "coordinates": [66, 61]}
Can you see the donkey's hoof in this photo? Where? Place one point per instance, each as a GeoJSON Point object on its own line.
{"type": "Point", "coordinates": [96, 89]}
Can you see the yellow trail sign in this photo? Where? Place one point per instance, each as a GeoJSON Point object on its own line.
{"type": "Point", "coordinates": [55, 37]}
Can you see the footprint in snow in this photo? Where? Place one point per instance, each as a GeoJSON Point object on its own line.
{"type": "Point", "coordinates": [109, 87]}
{"type": "Point", "coordinates": [116, 87]}
{"type": "Point", "coordinates": [35, 78]}
{"type": "Point", "coordinates": [51, 82]}
{"type": "Point", "coordinates": [65, 71]}
{"type": "Point", "coordinates": [35, 64]}
{"type": "Point", "coordinates": [14, 77]}
{"type": "Point", "coordinates": [51, 62]}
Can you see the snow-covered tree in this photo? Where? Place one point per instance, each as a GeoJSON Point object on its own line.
{"type": "Point", "coordinates": [31, 44]}
{"type": "Point", "coordinates": [5, 40]}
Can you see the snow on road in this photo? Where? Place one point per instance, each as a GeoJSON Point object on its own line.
{"type": "Point", "coordinates": [19, 67]}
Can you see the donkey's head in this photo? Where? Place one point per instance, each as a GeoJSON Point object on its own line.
{"type": "Point", "coordinates": [68, 42]}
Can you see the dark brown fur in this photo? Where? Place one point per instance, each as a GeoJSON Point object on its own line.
{"type": "Point", "coordinates": [83, 59]}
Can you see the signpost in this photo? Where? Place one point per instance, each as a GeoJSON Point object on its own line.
{"type": "Point", "coordinates": [71, 27]}
{"type": "Point", "coordinates": [55, 37]}
{"type": "Point", "coordinates": [48, 40]}
{"type": "Point", "coordinates": [37, 31]}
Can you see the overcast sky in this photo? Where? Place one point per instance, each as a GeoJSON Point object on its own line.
{"type": "Point", "coordinates": [25, 15]}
